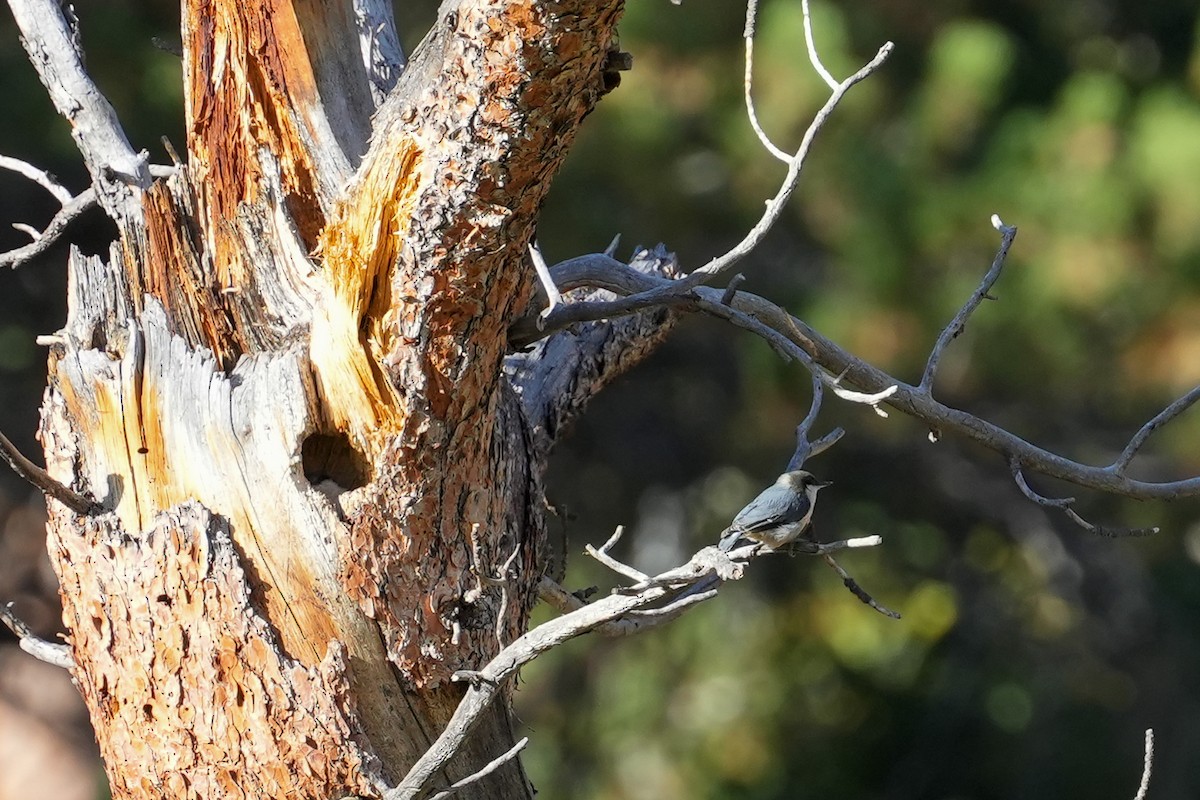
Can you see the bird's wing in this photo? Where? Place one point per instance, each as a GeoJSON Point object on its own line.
{"type": "Point", "coordinates": [755, 517]}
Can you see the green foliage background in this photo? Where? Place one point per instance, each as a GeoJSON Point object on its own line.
{"type": "Point", "coordinates": [1031, 656]}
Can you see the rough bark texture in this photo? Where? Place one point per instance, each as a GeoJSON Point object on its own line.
{"type": "Point", "coordinates": [173, 633]}
{"type": "Point", "coordinates": [286, 386]}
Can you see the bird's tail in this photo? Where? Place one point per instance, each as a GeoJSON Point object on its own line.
{"type": "Point", "coordinates": [729, 537]}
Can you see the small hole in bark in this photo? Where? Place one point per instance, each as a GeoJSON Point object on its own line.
{"type": "Point", "coordinates": [331, 457]}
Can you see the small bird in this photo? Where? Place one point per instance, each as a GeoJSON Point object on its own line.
{"type": "Point", "coordinates": [781, 513]}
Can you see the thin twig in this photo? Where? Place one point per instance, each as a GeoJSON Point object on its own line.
{"type": "Point", "coordinates": [824, 548]}
{"type": "Point", "coordinates": [675, 291]}
{"type": "Point", "coordinates": [792, 337]}
{"type": "Point", "coordinates": [553, 296]}
{"type": "Point", "coordinates": [1162, 418]}
{"type": "Point", "coordinates": [776, 204]}
{"type": "Point", "coordinates": [959, 323]}
{"type": "Point", "coordinates": [611, 250]}
{"type": "Point", "coordinates": [43, 480]}
{"type": "Point", "coordinates": [804, 445]}
{"type": "Point", "coordinates": [731, 288]}
{"type": "Point", "coordinates": [172, 153]}
{"type": "Point", "coordinates": [825, 442]}
{"type": "Point", "coordinates": [504, 580]}
{"type": "Point", "coordinates": [488, 769]}
{"type": "Point", "coordinates": [748, 84]}
{"type": "Point", "coordinates": [604, 558]}
{"type": "Point", "coordinates": [486, 683]}
{"type": "Point", "coordinates": [857, 590]}
{"type": "Point", "coordinates": [39, 176]}
{"type": "Point", "coordinates": [872, 399]}
{"type": "Point", "coordinates": [1064, 504]}
{"type": "Point", "coordinates": [1147, 766]}
{"type": "Point", "coordinates": [72, 209]}
{"type": "Point", "coordinates": [483, 577]}
{"type": "Point", "coordinates": [813, 57]}
{"type": "Point", "coordinates": [57, 654]}
{"type": "Point", "coordinates": [42, 241]}
{"type": "Point", "coordinates": [634, 622]}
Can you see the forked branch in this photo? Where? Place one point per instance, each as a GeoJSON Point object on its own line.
{"type": "Point", "coordinates": [568, 314]}
{"type": "Point", "coordinates": [486, 683]}
{"type": "Point", "coordinates": [651, 601]}
{"type": "Point", "coordinates": [118, 172]}
{"type": "Point", "coordinates": [796, 340]}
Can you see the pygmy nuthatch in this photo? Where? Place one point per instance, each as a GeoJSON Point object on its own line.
{"type": "Point", "coordinates": [777, 516]}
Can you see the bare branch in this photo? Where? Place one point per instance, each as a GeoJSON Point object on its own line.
{"type": "Point", "coordinates": [809, 547]}
{"type": "Point", "coordinates": [676, 292]}
{"type": "Point", "coordinates": [39, 176]}
{"type": "Point", "coordinates": [604, 558]}
{"type": "Point", "coordinates": [486, 683]}
{"type": "Point", "coordinates": [857, 590]}
{"type": "Point", "coordinates": [731, 288]}
{"type": "Point", "coordinates": [379, 43]}
{"type": "Point", "coordinates": [793, 338]}
{"type": "Point", "coordinates": [72, 209]}
{"type": "Point", "coordinates": [813, 56]}
{"type": "Point", "coordinates": [804, 446]}
{"type": "Point", "coordinates": [1147, 766]}
{"type": "Point", "coordinates": [57, 654]}
{"type": "Point", "coordinates": [488, 769]}
{"type": "Point", "coordinates": [1065, 504]}
{"type": "Point", "coordinates": [1162, 418]}
{"type": "Point", "coordinates": [814, 409]}
{"type": "Point", "coordinates": [504, 580]}
{"type": "Point", "coordinates": [611, 250]}
{"type": "Point", "coordinates": [776, 204]}
{"type": "Point", "coordinates": [43, 241]}
{"type": "Point", "coordinates": [651, 602]}
{"type": "Point", "coordinates": [634, 622]}
{"type": "Point", "coordinates": [748, 83]}
{"type": "Point", "coordinates": [553, 297]}
{"type": "Point", "coordinates": [172, 153]}
{"type": "Point", "coordinates": [872, 399]}
{"type": "Point", "coordinates": [825, 442]}
{"type": "Point", "coordinates": [118, 172]}
{"type": "Point", "coordinates": [959, 323]}
{"type": "Point", "coordinates": [43, 481]}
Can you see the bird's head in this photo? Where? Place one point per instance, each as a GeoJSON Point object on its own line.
{"type": "Point", "coordinates": [802, 482]}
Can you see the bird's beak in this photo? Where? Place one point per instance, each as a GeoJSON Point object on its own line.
{"type": "Point", "coordinates": [822, 484]}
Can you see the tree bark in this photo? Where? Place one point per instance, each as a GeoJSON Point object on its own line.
{"type": "Point", "coordinates": [287, 388]}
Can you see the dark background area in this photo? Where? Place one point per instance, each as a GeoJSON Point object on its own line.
{"type": "Point", "coordinates": [1031, 656]}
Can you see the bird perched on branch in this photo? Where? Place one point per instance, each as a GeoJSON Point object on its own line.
{"type": "Point", "coordinates": [781, 513]}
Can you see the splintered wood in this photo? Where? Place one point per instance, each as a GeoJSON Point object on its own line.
{"type": "Point", "coordinates": [284, 386]}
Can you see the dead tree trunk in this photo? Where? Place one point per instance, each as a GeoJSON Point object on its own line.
{"type": "Point", "coordinates": [294, 467]}
{"type": "Point", "coordinates": [318, 483]}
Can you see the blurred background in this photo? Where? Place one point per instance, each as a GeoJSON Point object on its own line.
{"type": "Point", "coordinates": [1031, 656]}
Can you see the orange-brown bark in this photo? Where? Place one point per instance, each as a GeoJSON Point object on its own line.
{"type": "Point", "coordinates": [312, 354]}
{"type": "Point", "coordinates": [489, 140]}
{"type": "Point", "coordinates": [190, 675]}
